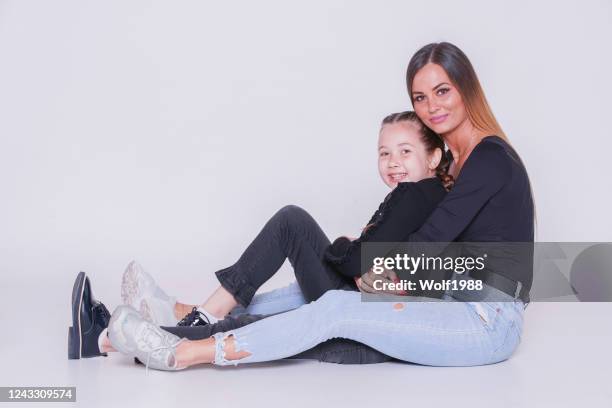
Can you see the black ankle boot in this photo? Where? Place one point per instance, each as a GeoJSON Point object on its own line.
{"type": "Point", "coordinates": [89, 318]}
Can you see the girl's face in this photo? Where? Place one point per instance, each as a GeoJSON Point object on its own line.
{"type": "Point", "coordinates": [402, 155]}
{"type": "Point", "coordinates": [437, 102]}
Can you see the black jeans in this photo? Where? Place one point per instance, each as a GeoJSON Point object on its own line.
{"type": "Point", "coordinates": [291, 234]}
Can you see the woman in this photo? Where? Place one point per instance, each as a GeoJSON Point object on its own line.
{"type": "Point", "coordinates": [491, 201]}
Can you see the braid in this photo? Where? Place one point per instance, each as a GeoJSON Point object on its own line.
{"type": "Point", "coordinates": [442, 172]}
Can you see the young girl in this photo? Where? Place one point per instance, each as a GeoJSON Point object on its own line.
{"type": "Point", "coordinates": [411, 162]}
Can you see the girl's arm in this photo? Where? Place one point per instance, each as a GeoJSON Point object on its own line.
{"type": "Point", "coordinates": [404, 210]}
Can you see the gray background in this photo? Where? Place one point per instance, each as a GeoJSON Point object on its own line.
{"type": "Point", "coordinates": [170, 132]}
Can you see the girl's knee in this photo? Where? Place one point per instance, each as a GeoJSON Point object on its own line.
{"type": "Point", "coordinates": [292, 216]}
{"type": "Point", "coordinates": [291, 211]}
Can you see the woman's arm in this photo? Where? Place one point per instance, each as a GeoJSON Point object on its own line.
{"type": "Point", "coordinates": [485, 172]}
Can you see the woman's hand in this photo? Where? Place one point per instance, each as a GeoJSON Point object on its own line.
{"type": "Point", "coordinates": [365, 283]}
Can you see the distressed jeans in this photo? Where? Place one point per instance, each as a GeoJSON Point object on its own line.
{"type": "Point", "coordinates": [339, 350]}
{"type": "Point", "coordinates": [434, 332]}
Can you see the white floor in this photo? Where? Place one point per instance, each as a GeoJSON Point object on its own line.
{"type": "Point", "coordinates": [565, 360]}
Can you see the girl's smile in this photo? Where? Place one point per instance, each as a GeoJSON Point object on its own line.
{"type": "Point", "coordinates": [402, 155]}
{"type": "Point", "coordinates": [397, 177]}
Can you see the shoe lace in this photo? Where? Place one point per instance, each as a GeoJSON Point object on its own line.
{"type": "Point", "coordinates": [191, 317]}
{"type": "Point", "coordinates": [102, 311]}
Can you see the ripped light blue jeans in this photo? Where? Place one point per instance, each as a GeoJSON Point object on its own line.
{"type": "Point", "coordinates": [436, 332]}
{"type": "Point", "coordinates": [276, 301]}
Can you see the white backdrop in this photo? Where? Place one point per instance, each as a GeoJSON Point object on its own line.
{"type": "Point", "coordinates": [171, 131]}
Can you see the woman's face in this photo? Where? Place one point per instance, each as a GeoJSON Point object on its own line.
{"type": "Point", "coordinates": [402, 155]}
{"type": "Point", "coordinates": [436, 100]}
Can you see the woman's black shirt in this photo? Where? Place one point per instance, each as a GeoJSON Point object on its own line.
{"type": "Point", "coordinates": [490, 202]}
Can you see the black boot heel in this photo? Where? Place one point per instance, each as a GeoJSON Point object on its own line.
{"type": "Point", "coordinates": [73, 345]}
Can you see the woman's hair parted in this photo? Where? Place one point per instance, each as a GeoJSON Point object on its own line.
{"type": "Point", "coordinates": [462, 74]}
{"type": "Point", "coordinates": [431, 140]}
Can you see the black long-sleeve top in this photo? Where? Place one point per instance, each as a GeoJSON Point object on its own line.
{"type": "Point", "coordinates": [402, 212]}
{"type": "Point", "coordinates": [490, 202]}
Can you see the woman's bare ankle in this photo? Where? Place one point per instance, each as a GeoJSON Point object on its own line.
{"type": "Point", "coordinates": [193, 352]}
{"type": "Point", "coordinates": [106, 346]}
{"type": "Point", "coordinates": [183, 354]}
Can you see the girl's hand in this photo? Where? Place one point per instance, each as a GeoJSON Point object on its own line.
{"type": "Point", "coordinates": [366, 282]}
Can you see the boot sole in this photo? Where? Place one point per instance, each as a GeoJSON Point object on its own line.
{"type": "Point", "coordinates": [75, 338]}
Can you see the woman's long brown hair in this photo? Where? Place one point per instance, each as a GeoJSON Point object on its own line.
{"type": "Point", "coordinates": [462, 74]}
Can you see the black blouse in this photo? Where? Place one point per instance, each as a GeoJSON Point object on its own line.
{"type": "Point", "coordinates": [490, 201]}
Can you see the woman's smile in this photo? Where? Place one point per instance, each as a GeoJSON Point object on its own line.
{"type": "Point", "coordinates": [438, 118]}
